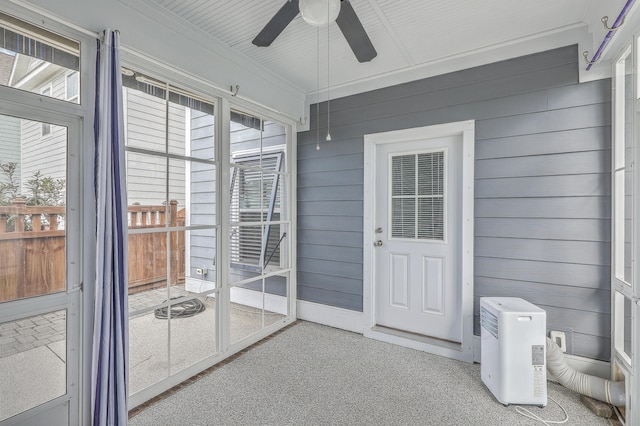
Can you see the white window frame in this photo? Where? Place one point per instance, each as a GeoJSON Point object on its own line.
{"type": "Point", "coordinates": [625, 289]}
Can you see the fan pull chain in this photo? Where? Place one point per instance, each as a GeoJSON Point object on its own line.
{"type": "Point", "coordinates": [328, 138]}
{"type": "Point", "coordinates": [318, 89]}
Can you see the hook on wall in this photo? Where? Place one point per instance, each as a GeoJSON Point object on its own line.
{"type": "Point", "coordinates": [235, 90]}
{"type": "Point", "coordinates": [611, 31]}
{"type": "Point", "coordinates": [302, 122]}
{"type": "Point", "coordinates": [605, 23]}
{"type": "Point", "coordinates": [585, 54]}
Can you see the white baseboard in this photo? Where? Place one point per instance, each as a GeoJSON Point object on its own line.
{"type": "Point", "coordinates": [354, 321]}
{"type": "Point", "coordinates": [195, 285]}
{"type": "Point", "coordinates": [593, 367]}
{"type": "Point", "coordinates": [272, 302]}
{"type": "Point", "coordinates": [344, 319]}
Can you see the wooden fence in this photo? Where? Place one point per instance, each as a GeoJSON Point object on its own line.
{"type": "Point", "coordinates": [32, 249]}
{"type": "Point", "coordinates": [148, 250]}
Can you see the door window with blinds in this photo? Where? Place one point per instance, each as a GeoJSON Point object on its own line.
{"type": "Point", "coordinates": [417, 191]}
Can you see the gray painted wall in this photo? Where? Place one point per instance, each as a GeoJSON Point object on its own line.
{"type": "Point", "coordinates": [542, 187]}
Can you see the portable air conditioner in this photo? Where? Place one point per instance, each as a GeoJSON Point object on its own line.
{"type": "Point", "coordinates": [513, 350]}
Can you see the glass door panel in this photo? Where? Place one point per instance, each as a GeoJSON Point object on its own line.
{"type": "Point", "coordinates": [258, 273]}
{"type": "Point", "coordinates": [32, 208]}
{"type": "Point", "coordinates": [173, 231]}
{"type": "Point", "coordinates": [33, 352]}
{"type": "Point", "coordinates": [38, 308]}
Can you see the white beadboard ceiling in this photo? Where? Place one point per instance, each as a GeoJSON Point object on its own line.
{"type": "Point", "coordinates": [407, 34]}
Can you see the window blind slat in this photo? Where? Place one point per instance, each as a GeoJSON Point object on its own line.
{"type": "Point", "coordinates": [417, 196]}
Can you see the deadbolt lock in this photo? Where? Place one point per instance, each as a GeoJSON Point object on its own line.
{"type": "Point", "coordinates": [378, 230]}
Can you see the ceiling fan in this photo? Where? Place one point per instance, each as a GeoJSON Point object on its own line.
{"type": "Point", "coordinates": [346, 19]}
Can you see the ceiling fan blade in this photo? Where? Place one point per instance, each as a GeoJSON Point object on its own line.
{"type": "Point", "coordinates": [354, 33]}
{"type": "Point", "coordinates": [277, 24]}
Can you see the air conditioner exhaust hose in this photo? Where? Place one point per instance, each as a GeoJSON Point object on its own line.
{"type": "Point", "coordinates": [595, 387]}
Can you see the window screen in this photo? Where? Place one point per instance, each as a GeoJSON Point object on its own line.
{"type": "Point", "coordinates": [417, 196]}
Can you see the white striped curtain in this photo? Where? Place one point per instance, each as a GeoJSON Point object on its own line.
{"type": "Point", "coordinates": [109, 381]}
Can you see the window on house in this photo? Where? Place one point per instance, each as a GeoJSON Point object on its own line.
{"type": "Point", "coordinates": [31, 57]}
{"type": "Point", "coordinates": [73, 86]}
{"type": "Point", "coordinates": [46, 127]}
{"type": "Point", "coordinates": [255, 202]}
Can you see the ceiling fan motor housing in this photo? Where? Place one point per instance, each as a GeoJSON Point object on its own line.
{"type": "Point", "coordinates": [319, 12]}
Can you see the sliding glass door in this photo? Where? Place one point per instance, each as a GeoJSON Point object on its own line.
{"type": "Point", "coordinates": [209, 230]}
{"type": "Point", "coordinates": [172, 170]}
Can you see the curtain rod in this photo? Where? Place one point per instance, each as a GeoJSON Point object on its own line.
{"type": "Point", "coordinates": [607, 38]}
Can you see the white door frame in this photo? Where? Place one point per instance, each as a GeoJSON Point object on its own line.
{"type": "Point", "coordinates": [466, 129]}
{"type": "Point", "coordinates": [624, 366]}
{"type": "Point", "coordinates": [70, 404]}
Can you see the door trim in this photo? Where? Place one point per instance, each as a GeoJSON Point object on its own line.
{"type": "Point", "coordinates": [463, 351]}
{"type": "Point", "coordinates": [25, 106]}
{"type": "Point", "coordinates": [625, 366]}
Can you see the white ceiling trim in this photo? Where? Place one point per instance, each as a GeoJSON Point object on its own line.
{"type": "Point", "coordinates": [160, 38]}
{"type": "Point", "coordinates": [205, 41]}
{"type": "Point", "coordinates": [226, 67]}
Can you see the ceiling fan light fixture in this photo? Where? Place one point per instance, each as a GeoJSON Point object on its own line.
{"type": "Point", "coordinates": [319, 12]}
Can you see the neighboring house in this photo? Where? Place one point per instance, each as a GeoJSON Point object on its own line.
{"type": "Point", "coordinates": [6, 65]}
{"type": "Point", "coordinates": [10, 145]}
{"type": "Point", "coordinates": [43, 146]}
{"type": "Point", "coordinates": [252, 195]}
{"type": "Point", "coordinates": [145, 122]}
{"type": "Point", "coordinates": [9, 126]}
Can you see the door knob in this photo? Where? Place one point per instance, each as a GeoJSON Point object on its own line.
{"type": "Point", "coordinates": [378, 243]}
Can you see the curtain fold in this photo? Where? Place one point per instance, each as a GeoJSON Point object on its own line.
{"type": "Point", "coordinates": [109, 374]}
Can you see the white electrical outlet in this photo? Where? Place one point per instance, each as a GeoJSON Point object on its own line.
{"type": "Point", "coordinates": [201, 271]}
{"type": "Point", "coordinates": [560, 338]}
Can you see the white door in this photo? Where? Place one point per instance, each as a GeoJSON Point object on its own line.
{"type": "Point", "coordinates": [417, 269]}
{"type": "Point", "coordinates": [39, 268]}
{"type": "Point", "coordinates": [625, 292]}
